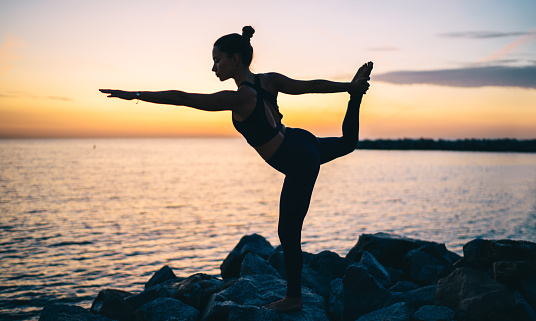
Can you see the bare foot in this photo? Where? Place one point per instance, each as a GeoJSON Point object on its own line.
{"type": "Point", "coordinates": [288, 304]}
{"type": "Point", "coordinates": [363, 71]}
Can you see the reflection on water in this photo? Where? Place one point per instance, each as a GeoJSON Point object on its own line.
{"type": "Point", "coordinates": [75, 219]}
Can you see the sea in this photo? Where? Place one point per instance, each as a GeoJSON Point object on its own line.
{"type": "Point", "coordinates": [81, 215]}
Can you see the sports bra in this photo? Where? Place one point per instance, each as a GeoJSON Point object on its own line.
{"type": "Point", "coordinates": [256, 128]}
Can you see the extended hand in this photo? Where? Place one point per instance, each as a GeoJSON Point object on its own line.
{"type": "Point", "coordinates": [127, 95]}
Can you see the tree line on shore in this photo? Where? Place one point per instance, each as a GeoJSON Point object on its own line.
{"type": "Point", "coordinates": [481, 145]}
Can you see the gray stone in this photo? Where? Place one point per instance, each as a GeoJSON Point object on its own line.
{"type": "Point", "coordinates": [55, 312]}
{"type": "Point", "coordinates": [522, 309]}
{"type": "Point", "coordinates": [111, 303]}
{"type": "Point", "coordinates": [244, 300]}
{"type": "Point", "coordinates": [195, 290]}
{"type": "Point", "coordinates": [318, 269]}
{"type": "Point", "coordinates": [359, 294]}
{"type": "Point", "coordinates": [418, 297]}
{"type": "Point", "coordinates": [160, 276]}
{"type": "Point", "coordinates": [168, 309]}
{"type": "Point", "coordinates": [427, 264]}
{"type": "Point", "coordinates": [528, 289]}
{"type": "Point", "coordinates": [254, 264]}
{"type": "Point", "coordinates": [473, 295]}
{"type": "Point", "coordinates": [480, 254]}
{"type": "Point", "coordinates": [403, 286]}
{"type": "Point", "coordinates": [434, 313]}
{"type": "Point", "coordinates": [395, 312]}
{"type": "Point", "coordinates": [137, 300]}
{"type": "Point", "coordinates": [512, 274]}
{"type": "Point", "coordinates": [375, 269]}
{"type": "Point", "coordinates": [388, 249]}
{"type": "Point", "coordinates": [253, 243]}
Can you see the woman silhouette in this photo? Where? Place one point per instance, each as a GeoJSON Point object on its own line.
{"type": "Point", "coordinates": [294, 152]}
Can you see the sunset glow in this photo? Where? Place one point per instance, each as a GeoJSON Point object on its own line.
{"type": "Point", "coordinates": [55, 55]}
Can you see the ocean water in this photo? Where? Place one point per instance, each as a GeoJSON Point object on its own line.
{"type": "Point", "coordinates": [81, 215]}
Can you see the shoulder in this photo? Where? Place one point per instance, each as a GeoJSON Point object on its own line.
{"type": "Point", "coordinates": [271, 81]}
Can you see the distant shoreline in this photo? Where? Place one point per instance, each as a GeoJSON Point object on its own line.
{"type": "Point", "coordinates": [473, 145]}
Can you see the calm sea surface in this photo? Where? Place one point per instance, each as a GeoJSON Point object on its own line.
{"type": "Point", "coordinates": [77, 216]}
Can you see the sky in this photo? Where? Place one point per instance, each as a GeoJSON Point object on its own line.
{"type": "Point", "coordinates": [442, 69]}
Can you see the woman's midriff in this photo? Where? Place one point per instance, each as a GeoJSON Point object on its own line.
{"type": "Point", "coordinates": [268, 150]}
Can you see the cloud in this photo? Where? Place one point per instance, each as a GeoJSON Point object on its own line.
{"type": "Point", "coordinates": [498, 76]}
{"type": "Point", "coordinates": [482, 34]}
{"type": "Point", "coordinates": [526, 39]}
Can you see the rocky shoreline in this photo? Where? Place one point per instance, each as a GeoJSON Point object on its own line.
{"type": "Point", "coordinates": [383, 277]}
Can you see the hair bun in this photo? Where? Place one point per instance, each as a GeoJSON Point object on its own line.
{"type": "Point", "coordinates": [247, 32]}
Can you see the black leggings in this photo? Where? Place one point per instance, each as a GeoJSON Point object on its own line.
{"type": "Point", "coordinates": [299, 157]}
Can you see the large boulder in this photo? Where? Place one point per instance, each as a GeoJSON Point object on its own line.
{"type": "Point", "coordinates": [375, 269]}
{"type": "Point", "coordinates": [416, 298]}
{"type": "Point", "coordinates": [356, 294]}
{"type": "Point", "coordinates": [512, 274]}
{"type": "Point", "coordinates": [480, 254]}
{"type": "Point", "coordinates": [434, 313]}
{"type": "Point", "coordinates": [160, 276]}
{"type": "Point", "coordinates": [318, 269]}
{"type": "Point", "coordinates": [111, 303]}
{"type": "Point", "coordinates": [245, 298]}
{"type": "Point", "coordinates": [168, 309]}
{"type": "Point", "coordinates": [528, 289]}
{"type": "Point", "coordinates": [195, 290]}
{"type": "Point", "coordinates": [388, 249]}
{"type": "Point", "coordinates": [429, 263]}
{"type": "Point", "coordinates": [254, 243]}
{"type": "Point", "coordinates": [254, 264]}
{"type": "Point", "coordinates": [55, 312]}
{"type": "Point", "coordinates": [473, 295]}
{"type": "Point", "coordinates": [395, 312]}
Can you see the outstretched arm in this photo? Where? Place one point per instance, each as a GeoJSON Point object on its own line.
{"type": "Point", "coordinates": [223, 100]}
{"type": "Point", "coordinates": [291, 86]}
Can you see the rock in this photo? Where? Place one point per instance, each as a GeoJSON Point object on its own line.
{"type": "Point", "coordinates": [396, 275]}
{"type": "Point", "coordinates": [244, 299]}
{"type": "Point", "coordinates": [403, 286]}
{"type": "Point", "coordinates": [434, 313]}
{"type": "Point", "coordinates": [196, 289]}
{"type": "Point", "coordinates": [512, 274]}
{"type": "Point", "coordinates": [161, 276]}
{"type": "Point", "coordinates": [480, 254]}
{"type": "Point", "coordinates": [318, 269]}
{"type": "Point", "coordinates": [522, 309]}
{"type": "Point", "coordinates": [528, 289]}
{"type": "Point", "coordinates": [168, 309]}
{"type": "Point", "coordinates": [418, 297]}
{"type": "Point", "coordinates": [356, 294]}
{"type": "Point", "coordinates": [253, 243]}
{"type": "Point", "coordinates": [375, 269]}
{"type": "Point", "coordinates": [388, 249]}
{"type": "Point", "coordinates": [473, 295]}
{"type": "Point", "coordinates": [111, 303]}
{"type": "Point", "coordinates": [395, 312]}
{"type": "Point", "coordinates": [254, 264]}
{"type": "Point", "coordinates": [137, 300]}
{"type": "Point", "coordinates": [429, 263]}
{"type": "Point", "coordinates": [54, 312]}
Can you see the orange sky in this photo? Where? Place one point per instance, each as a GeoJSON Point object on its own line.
{"type": "Point", "coordinates": [55, 55]}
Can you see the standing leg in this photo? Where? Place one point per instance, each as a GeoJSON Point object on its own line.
{"type": "Point", "coordinates": [301, 167]}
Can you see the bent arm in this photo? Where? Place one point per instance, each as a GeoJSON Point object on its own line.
{"type": "Point", "coordinates": [223, 100]}
{"type": "Point", "coordinates": [291, 86]}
